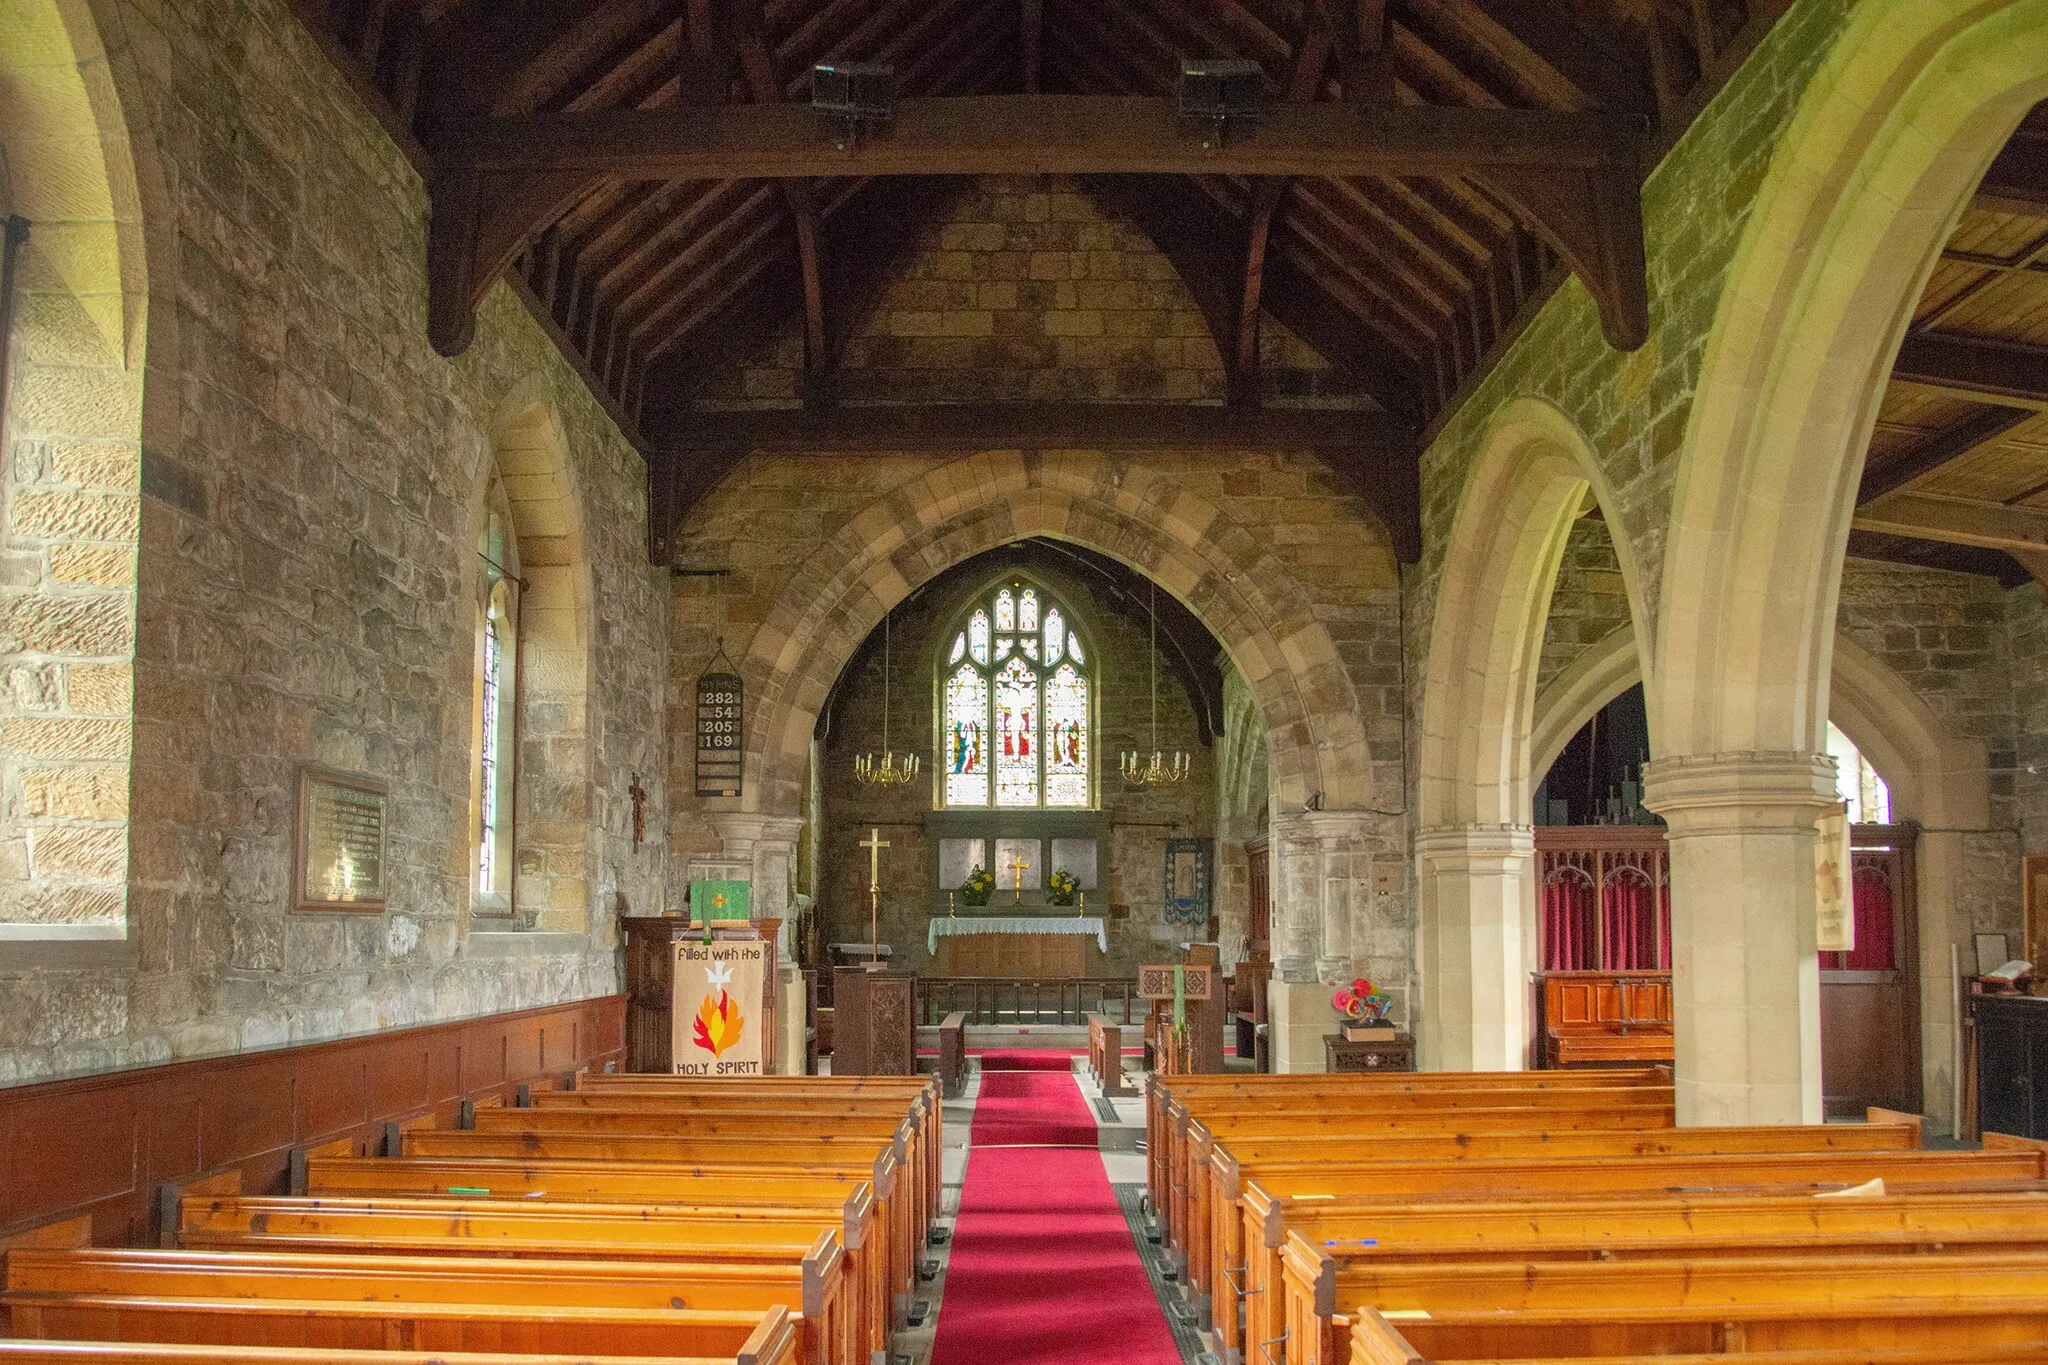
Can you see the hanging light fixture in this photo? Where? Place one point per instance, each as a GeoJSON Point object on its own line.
{"type": "Point", "coordinates": [885, 769]}
{"type": "Point", "coordinates": [1161, 769]}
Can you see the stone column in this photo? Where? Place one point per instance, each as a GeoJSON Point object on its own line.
{"type": "Point", "coordinates": [768, 843]}
{"type": "Point", "coordinates": [1477, 885]}
{"type": "Point", "coordinates": [1326, 864]}
{"type": "Point", "coordinates": [1745, 980]}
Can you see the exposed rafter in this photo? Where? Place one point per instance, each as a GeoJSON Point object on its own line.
{"type": "Point", "coordinates": [1982, 371]}
{"type": "Point", "coordinates": [1956, 521]}
{"type": "Point", "coordinates": [1932, 452]}
{"type": "Point", "coordinates": [1572, 177]}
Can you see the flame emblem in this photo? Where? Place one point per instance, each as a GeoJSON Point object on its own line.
{"type": "Point", "coordinates": [718, 1024]}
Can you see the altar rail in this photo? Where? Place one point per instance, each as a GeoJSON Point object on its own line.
{"type": "Point", "coordinates": [1023, 1000]}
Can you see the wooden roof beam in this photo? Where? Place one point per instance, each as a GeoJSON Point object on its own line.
{"type": "Point", "coordinates": [1311, 59]}
{"type": "Point", "coordinates": [1931, 453]}
{"type": "Point", "coordinates": [2007, 374]}
{"type": "Point", "coordinates": [759, 69]}
{"type": "Point", "coordinates": [1572, 177]}
{"type": "Point", "coordinates": [1956, 521]}
{"type": "Point", "coordinates": [1375, 453]}
{"type": "Point", "coordinates": [2018, 179]}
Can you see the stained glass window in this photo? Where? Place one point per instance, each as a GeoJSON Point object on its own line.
{"type": "Point", "coordinates": [1017, 706]}
{"type": "Point", "coordinates": [1017, 723]}
{"type": "Point", "coordinates": [965, 740]}
{"type": "Point", "coordinates": [497, 705]}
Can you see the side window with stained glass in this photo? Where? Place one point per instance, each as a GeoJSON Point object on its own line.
{"type": "Point", "coordinates": [1016, 711]}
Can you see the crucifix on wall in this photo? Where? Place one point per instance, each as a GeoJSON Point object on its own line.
{"type": "Point", "coordinates": [639, 795]}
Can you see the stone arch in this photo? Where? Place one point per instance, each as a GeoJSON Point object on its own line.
{"type": "Point", "coordinates": [529, 453]}
{"type": "Point", "coordinates": [1239, 589]}
{"type": "Point", "coordinates": [1474, 847]}
{"type": "Point", "coordinates": [1889, 140]}
{"type": "Point", "coordinates": [1888, 143]}
{"type": "Point", "coordinates": [1602, 671]}
{"type": "Point", "coordinates": [1188, 545]}
{"type": "Point", "coordinates": [74, 424]}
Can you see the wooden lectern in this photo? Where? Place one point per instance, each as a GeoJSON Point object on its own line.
{"type": "Point", "coordinates": [650, 991]}
{"type": "Point", "coordinates": [874, 1026]}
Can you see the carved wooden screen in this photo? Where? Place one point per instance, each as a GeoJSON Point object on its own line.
{"type": "Point", "coordinates": [1605, 902]}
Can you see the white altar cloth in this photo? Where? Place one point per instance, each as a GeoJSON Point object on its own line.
{"type": "Point", "coordinates": [948, 926]}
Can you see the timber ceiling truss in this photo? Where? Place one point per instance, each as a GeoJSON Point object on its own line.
{"type": "Point", "coordinates": [1957, 475]}
{"type": "Point", "coordinates": [650, 177]}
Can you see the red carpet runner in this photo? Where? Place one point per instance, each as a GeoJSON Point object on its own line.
{"type": "Point", "coordinates": [1044, 1271]}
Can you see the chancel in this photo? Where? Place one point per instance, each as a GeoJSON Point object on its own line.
{"type": "Point", "coordinates": [1023, 681]}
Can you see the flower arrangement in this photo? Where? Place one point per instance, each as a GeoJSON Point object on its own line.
{"type": "Point", "coordinates": [1061, 887]}
{"type": "Point", "coordinates": [979, 886]}
{"type": "Point", "coordinates": [1361, 1006]}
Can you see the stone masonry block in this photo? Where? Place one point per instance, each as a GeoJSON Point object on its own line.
{"type": "Point", "coordinates": [77, 516]}
{"type": "Point", "coordinates": [82, 853]}
{"type": "Point", "coordinates": [78, 793]}
{"type": "Point", "coordinates": [98, 626]}
{"type": "Point", "coordinates": [105, 566]}
{"type": "Point", "coordinates": [64, 738]}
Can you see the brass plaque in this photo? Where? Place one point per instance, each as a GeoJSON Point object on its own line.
{"type": "Point", "coordinates": [340, 842]}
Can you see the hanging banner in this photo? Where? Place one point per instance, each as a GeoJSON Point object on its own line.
{"type": "Point", "coordinates": [720, 1028]}
{"type": "Point", "coordinates": [1833, 888]}
{"type": "Point", "coordinates": [721, 701]}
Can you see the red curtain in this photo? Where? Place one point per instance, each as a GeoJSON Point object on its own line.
{"type": "Point", "coordinates": [1871, 904]}
{"type": "Point", "coordinates": [1637, 925]}
{"type": "Point", "coordinates": [1570, 933]}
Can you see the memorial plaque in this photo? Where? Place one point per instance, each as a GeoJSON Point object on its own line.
{"type": "Point", "coordinates": [340, 844]}
{"type": "Point", "coordinates": [720, 705]}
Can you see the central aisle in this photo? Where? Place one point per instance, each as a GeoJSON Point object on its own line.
{"type": "Point", "coordinates": [1043, 1268]}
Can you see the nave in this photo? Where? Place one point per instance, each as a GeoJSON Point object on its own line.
{"type": "Point", "coordinates": [1307, 1220]}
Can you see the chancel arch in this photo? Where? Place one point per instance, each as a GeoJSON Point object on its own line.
{"type": "Point", "coordinates": [1889, 141]}
{"type": "Point", "coordinates": [1191, 548]}
{"type": "Point", "coordinates": [1475, 851]}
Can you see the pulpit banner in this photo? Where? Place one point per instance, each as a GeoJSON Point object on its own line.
{"type": "Point", "coordinates": [1833, 889]}
{"type": "Point", "coordinates": [720, 1028]}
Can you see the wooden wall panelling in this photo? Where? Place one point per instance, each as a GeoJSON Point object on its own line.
{"type": "Point", "coordinates": [102, 1146]}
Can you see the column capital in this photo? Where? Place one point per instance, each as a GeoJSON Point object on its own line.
{"type": "Point", "coordinates": [1746, 790]}
{"type": "Point", "coordinates": [1447, 848]}
{"type": "Point", "coordinates": [739, 831]}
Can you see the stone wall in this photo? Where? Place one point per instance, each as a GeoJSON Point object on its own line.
{"type": "Point", "coordinates": [312, 489]}
{"type": "Point", "coordinates": [1136, 822]}
{"type": "Point", "coordinates": [2026, 615]}
{"type": "Point", "coordinates": [1589, 601]}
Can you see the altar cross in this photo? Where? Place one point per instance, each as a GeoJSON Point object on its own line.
{"type": "Point", "coordinates": [1017, 866]}
{"type": "Point", "coordinates": [874, 844]}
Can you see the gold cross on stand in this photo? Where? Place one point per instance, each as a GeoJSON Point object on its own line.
{"type": "Point", "coordinates": [874, 844]}
{"type": "Point", "coordinates": [1017, 866]}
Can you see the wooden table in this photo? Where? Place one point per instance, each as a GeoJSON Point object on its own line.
{"type": "Point", "coordinates": [1381, 1054]}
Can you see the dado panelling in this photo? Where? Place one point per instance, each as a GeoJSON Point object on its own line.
{"type": "Point", "coordinates": [103, 1145]}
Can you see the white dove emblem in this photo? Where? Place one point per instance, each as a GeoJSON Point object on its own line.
{"type": "Point", "coordinates": [720, 975]}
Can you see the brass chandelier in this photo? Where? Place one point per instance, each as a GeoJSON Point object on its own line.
{"type": "Point", "coordinates": [1160, 769]}
{"type": "Point", "coordinates": [885, 769]}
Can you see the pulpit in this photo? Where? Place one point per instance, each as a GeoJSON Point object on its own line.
{"type": "Point", "coordinates": [650, 985]}
{"type": "Point", "coordinates": [874, 1030]}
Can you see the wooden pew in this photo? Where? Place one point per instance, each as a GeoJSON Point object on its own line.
{"type": "Point", "coordinates": [1266, 1201]}
{"type": "Point", "coordinates": [1541, 1107]}
{"type": "Point", "coordinates": [1168, 1099]}
{"type": "Point", "coordinates": [1597, 1309]}
{"type": "Point", "coordinates": [1376, 1341]}
{"type": "Point", "coordinates": [171, 1353]}
{"type": "Point", "coordinates": [1220, 1168]}
{"type": "Point", "coordinates": [700, 1101]}
{"type": "Point", "coordinates": [1315, 1282]}
{"type": "Point", "coordinates": [1106, 1055]}
{"type": "Point", "coordinates": [812, 1290]}
{"type": "Point", "coordinates": [666, 1332]}
{"type": "Point", "coordinates": [553, 1231]}
{"type": "Point", "coordinates": [884, 1266]}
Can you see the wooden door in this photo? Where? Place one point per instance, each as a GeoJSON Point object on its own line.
{"type": "Point", "coordinates": [1257, 868]}
{"type": "Point", "coordinates": [1870, 997]}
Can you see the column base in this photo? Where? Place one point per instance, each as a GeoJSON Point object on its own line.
{"type": "Point", "coordinates": [1298, 1015]}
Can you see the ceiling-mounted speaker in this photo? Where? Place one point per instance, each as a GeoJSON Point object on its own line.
{"type": "Point", "coordinates": [862, 91]}
{"type": "Point", "coordinates": [1219, 91]}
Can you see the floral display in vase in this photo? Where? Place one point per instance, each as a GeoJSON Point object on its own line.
{"type": "Point", "coordinates": [979, 886]}
{"type": "Point", "coordinates": [1363, 1011]}
{"type": "Point", "coordinates": [1061, 887]}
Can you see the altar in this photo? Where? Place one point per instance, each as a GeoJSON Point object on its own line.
{"type": "Point", "coordinates": [1027, 946]}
